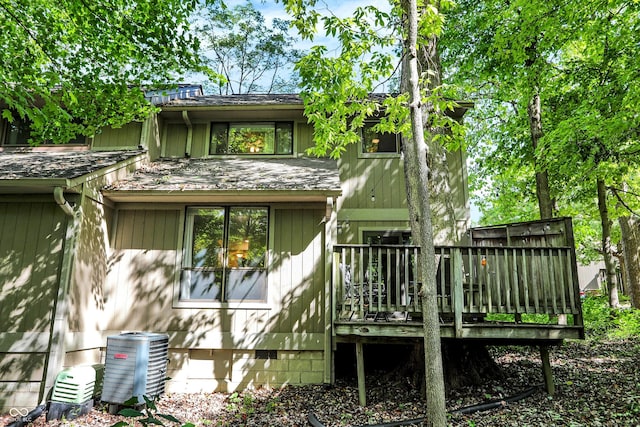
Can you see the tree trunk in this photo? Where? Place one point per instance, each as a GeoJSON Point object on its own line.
{"type": "Point", "coordinates": [630, 230]}
{"type": "Point", "coordinates": [545, 203]}
{"type": "Point", "coordinates": [607, 249]}
{"type": "Point", "coordinates": [415, 155]}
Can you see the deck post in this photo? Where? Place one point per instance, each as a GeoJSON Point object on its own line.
{"type": "Point", "coordinates": [547, 373]}
{"type": "Point", "coordinates": [362, 396]}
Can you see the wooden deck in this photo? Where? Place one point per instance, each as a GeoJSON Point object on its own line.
{"type": "Point", "coordinates": [514, 284]}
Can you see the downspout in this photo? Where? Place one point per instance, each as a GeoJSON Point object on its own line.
{"type": "Point", "coordinates": [58, 196]}
{"type": "Point", "coordinates": [56, 348]}
{"type": "Point", "coordinates": [187, 121]}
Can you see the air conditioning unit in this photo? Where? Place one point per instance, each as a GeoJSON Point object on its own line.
{"type": "Point", "coordinates": [135, 366]}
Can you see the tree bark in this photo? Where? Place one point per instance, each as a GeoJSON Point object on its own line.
{"type": "Point", "coordinates": [630, 230]}
{"type": "Point", "coordinates": [543, 193]}
{"type": "Point", "coordinates": [415, 159]}
{"type": "Point", "coordinates": [607, 249]}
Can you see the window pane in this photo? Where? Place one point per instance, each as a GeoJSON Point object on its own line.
{"type": "Point", "coordinates": [284, 138]}
{"type": "Point", "coordinates": [375, 142]}
{"type": "Point", "coordinates": [251, 138]}
{"type": "Point", "coordinates": [247, 237]}
{"type": "Point", "coordinates": [247, 285]}
{"type": "Point", "coordinates": [18, 132]}
{"type": "Point", "coordinates": [218, 138]}
{"type": "Point", "coordinates": [201, 284]}
{"type": "Point", "coordinates": [208, 238]}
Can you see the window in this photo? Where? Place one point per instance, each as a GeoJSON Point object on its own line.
{"type": "Point", "coordinates": [18, 133]}
{"type": "Point", "coordinates": [251, 138]}
{"type": "Point", "coordinates": [377, 142]}
{"type": "Point", "coordinates": [225, 254]}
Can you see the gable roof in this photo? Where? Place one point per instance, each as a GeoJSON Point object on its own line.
{"type": "Point", "coordinates": [231, 179]}
{"type": "Point", "coordinates": [40, 171]}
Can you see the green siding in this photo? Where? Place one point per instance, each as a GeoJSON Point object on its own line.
{"type": "Point", "coordinates": [31, 247]}
{"type": "Point", "coordinates": [175, 144]}
{"type": "Point", "coordinates": [298, 270]}
{"type": "Point", "coordinates": [31, 242]}
{"type": "Point", "coordinates": [142, 273]}
{"type": "Point", "coordinates": [126, 136]}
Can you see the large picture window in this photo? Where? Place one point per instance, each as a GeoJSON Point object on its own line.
{"type": "Point", "coordinates": [225, 254]}
{"type": "Point", "coordinates": [378, 142]}
{"type": "Point", "coordinates": [251, 138]}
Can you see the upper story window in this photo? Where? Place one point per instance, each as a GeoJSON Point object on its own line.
{"type": "Point", "coordinates": [18, 133]}
{"type": "Point", "coordinates": [377, 142]}
{"type": "Point", "coordinates": [252, 138]}
{"type": "Point", "coordinates": [225, 254]}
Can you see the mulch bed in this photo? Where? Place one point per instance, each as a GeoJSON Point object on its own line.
{"type": "Point", "coordinates": [597, 384]}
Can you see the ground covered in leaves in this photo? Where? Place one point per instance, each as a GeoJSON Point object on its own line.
{"type": "Point", "coordinates": [597, 384]}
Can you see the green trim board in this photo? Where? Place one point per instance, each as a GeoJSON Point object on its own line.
{"type": "Point", "coordinates": [374, 214]}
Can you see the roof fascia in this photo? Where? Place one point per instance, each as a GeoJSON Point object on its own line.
{"type": "Point", "coordinates": [253, 196]}
{"type": "Point", "coordinates": [104, 171]}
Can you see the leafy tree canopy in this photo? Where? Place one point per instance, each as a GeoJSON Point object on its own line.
{"type": "Point", "coordinates": [75, 66]}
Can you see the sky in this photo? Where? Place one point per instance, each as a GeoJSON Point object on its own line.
{"type": "Point", "coordinates": [271, 9]}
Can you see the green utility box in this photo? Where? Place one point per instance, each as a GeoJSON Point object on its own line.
{"type": "Point", "coordinates": [74, 391]}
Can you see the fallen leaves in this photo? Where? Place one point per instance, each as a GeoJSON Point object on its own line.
{"type": "Point", "coordinates": [597, 384]}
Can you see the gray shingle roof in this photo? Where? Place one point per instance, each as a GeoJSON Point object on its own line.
{"type": "Point", "coordinates": [236, 174]}
{"type": "Point", "coordinates": [58, 164]}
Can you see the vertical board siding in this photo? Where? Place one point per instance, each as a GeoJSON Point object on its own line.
{"type": "Point", "coordinates": [126, 136]}
{"type": "Point", "coordinates": [142, 275]}
{"type": "Point", "coordinates": [31, 248]}
{"type": "Point", "coordinates": [90, 268]}
{"type": "Point", "coordinates": [297, 274]}
{"type": "Point", "coordinates": [31, 243]}
{"type": "Point", "coordinates": [143, 269]}
{"type": "Point", "coordinates": [176, 134]}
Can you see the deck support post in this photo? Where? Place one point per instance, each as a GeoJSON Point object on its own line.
{"type": "Point", "coordinates": [362, 396]}
{"type": "Point", "coordinates": [547, 373]}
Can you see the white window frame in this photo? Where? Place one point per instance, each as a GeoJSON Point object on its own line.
{"type": "Point", "coordinates": [184, 262]}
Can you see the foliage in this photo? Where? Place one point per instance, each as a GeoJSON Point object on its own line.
{"type": "Point", "coordinates": [577, 56]}
{"type": "Point", "coordinates": [250, 55]}
{"type": "Point", "coordinates": [74, 67]}
{"type": "Point", "coordinates": [337, 92]}
{"type": "Point", "coordinates": [241, 405]}
{"type": "Point", "coordinates": [146, 416]}
{"type": "Point", "coordinates": [602, 321]}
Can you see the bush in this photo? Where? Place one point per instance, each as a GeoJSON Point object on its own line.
{"type": "Point", "coordinates": [601, 321]}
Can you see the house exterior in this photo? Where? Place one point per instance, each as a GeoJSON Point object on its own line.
{"type": "Point", "coordinates": [207, 222]}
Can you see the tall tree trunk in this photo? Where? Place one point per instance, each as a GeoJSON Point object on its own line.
{"type": "Point", "coordinates": [607, 249]}
{"type": "Point", "coordinates": [415, 158]}
{"type": "Point", "coordinates": [630, 230]}
{"type": "Point", "coordinates": [545, 203]}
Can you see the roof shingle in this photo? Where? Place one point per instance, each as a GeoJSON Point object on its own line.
{"type": "Point", "coordinates": [58, 164]}
{"type": "Point", "coordinates": [236, 174]}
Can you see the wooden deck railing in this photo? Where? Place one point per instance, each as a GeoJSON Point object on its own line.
{"type": "Point", "coordinates": [372, 281]}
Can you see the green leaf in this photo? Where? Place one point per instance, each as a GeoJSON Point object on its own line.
{"type": "Point", "coordinates": [130, 412]}
{"type": "Point", "coordinates": [169, 417]}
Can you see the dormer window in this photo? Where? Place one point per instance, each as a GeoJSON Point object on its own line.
{"type": "Point", "coordinates": [377, 142]}
{"type": "Point", "coordinates": [254, 138]}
